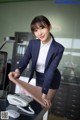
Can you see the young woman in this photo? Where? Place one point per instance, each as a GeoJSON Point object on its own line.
{"type": "Point", "coordinates": [45, 54]}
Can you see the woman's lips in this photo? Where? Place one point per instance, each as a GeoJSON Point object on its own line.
{"type": "Point", "coordinates": [41, 37]}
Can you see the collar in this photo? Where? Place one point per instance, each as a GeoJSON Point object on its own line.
{"type": "Point", "coordinates": [48, 43]}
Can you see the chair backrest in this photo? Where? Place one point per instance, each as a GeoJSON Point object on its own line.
{"type": "Point", "coordinates": [3, 66]}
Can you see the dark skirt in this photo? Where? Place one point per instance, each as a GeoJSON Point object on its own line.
{"type": "Point", "coordinates": [55, 80]}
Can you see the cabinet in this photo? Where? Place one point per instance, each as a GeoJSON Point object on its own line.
{"type": "Point", "coordinates": [67, 100]}
{"type": "Point", "coordinates": [21, 41]}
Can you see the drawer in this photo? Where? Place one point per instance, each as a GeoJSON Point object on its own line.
{"type": "Point", "coordinates": [73, 111]}
{"type": "Point", "coordinates": [75, 101]}
{"type": "Point", "coordinates": [75, 90]}
{"type": "Point", "coordinates": [63, 88]}
{"type": "Point", "coordinates": [73, 97]}
{"type": "Point", "coordinates": [61, 94]}
{"type": "Point", "coordinates": [58, 112]}
{"type": "Point", "coordinates": [59, 98]}
{"type": "Point", "coordinates": [73, 107]}
{"type": "Point", "coordinates": [59, 108]}
{"type": "Point", "coordinates": [73, 115]}
{"type": "Point", "coordinates": [59, 103]}
{"type": "Point", "coordinates": [75, 87]}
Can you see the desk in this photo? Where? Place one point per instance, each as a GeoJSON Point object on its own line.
{"type": "Point", "coordinates": [39, 111]}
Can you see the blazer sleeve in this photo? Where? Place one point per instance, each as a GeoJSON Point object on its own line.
{"type": "Point", "coordinates": [49, 73]}
{"type": "Point", "coordinates": [26, 58]}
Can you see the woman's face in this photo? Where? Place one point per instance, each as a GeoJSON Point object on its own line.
{"type": "Point", "coordinates": [42, 33]}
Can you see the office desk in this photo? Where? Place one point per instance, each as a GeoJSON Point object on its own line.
{"type": "Point", "coordinates": [39, 111]}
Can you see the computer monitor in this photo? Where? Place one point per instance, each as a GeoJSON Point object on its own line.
{"type": "Point", "coordinates": [3, 66]}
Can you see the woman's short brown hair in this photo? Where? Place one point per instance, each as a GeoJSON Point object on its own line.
{"type": "Point", "coordinates": [39, 21]}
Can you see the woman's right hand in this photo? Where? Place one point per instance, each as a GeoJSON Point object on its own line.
{"type": "Point", "coordinates": [14, 74]}
{"type": "Point", "coordinates": [46, 101]}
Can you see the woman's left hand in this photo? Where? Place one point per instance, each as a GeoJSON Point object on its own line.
{"type": "Point", "coordinates": [46, 101]}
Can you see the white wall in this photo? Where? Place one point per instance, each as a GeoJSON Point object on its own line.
{"type": "Point", "coordinates": [17, 16]}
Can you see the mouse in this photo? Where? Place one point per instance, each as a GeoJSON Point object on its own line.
{"type": "Point", "coordinates": [13, 113]}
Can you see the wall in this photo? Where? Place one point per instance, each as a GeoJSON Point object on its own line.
{"type": "Point", "coordinates": [17, 17]}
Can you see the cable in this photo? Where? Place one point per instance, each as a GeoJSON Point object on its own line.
{"type": "Point", "coordinates": [26, 111]}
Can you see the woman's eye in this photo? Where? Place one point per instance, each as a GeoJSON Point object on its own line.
{"type": "Point", "coordinates": [35, 30]}
{"type": "Point", "coordinates": [42, 27]}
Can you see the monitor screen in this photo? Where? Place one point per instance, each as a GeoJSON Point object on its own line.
{"type": "Point", "coordinates": [3, 66]}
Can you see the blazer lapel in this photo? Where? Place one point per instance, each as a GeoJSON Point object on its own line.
{"type": "Point", "coordinates": [36, 52]}
{"type": "Point", "coordinates": [50, 53]}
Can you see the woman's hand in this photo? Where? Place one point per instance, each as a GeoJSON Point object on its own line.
{"type": "Point", "coordinates": [46, 101]}
{"type": "Point", "coordinates": [14, 74]}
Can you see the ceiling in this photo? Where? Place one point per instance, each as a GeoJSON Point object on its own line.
{"type": "Point", "coordinates": [7, 1]}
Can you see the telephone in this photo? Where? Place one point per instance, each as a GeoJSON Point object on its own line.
{"type": "Point", "coordinates": [21, 101]}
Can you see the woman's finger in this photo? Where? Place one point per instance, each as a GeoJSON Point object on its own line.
{"type": "Point", "coordinates": [47, 103]}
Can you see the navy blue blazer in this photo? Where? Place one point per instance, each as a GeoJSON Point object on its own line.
{"type": "Point", "coordinates": [53, 58]}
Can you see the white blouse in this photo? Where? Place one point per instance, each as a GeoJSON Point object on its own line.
{"type": "Point", "coordinates": [44, 48]}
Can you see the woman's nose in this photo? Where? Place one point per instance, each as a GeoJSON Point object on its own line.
{"type": "Point", "coordinates": [39, 32]}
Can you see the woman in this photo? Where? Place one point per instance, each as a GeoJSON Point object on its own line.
{"type": "Point", "coordinates": [45, 54]}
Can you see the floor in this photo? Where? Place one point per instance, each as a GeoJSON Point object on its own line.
{"type": "Point", "coordinates": [53, 117]}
